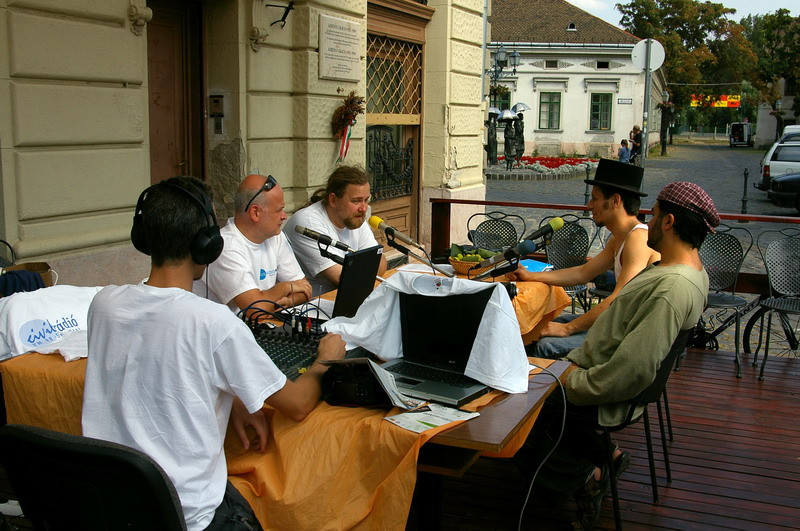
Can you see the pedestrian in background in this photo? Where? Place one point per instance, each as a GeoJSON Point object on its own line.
{"type": "Point", "coordinates": [623, 153]}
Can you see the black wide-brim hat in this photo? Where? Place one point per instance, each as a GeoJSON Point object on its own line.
{"type": "Point", "coordinates": [620, 176]}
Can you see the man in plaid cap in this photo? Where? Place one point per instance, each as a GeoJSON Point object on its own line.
{"type": "Point", "coordinates": [623, 350]}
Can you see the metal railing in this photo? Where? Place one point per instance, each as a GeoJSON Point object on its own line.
{"type": "Point", "coordinates": [752, 280]}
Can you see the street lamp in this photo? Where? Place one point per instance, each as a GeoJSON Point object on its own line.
{"type": "Point", "coordinates": [503, 60]}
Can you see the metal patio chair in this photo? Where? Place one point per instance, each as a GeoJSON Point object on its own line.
{"type": "Point", "coordinates": [782, 260]}
{"type": "Point", "coordinates": [568, 247]}
{"type": "Point", "coordinates": [722, 254]}
{"type": "Point", "coordinates": [651, 394]}
{"type": "Point", "coordinates": [497, 231]}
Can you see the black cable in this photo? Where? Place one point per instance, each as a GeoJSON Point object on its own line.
{"type": "Point", "coordinates": [546, 457]}
{"type": "Point", "coordinates": [252, 318]}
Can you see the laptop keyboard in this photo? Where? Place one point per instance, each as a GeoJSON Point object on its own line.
{"type": "Point", "coordinates": [421, 372]}
{"type": "Point", "coordinates": [291, 353]}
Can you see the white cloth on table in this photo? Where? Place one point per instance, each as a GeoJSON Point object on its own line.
{"type": "Point", "coordinates": [498, 356]}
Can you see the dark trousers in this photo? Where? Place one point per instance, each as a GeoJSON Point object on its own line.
{"type": "Point", "coordinates": [234, 513]}
{"type": "Point", "coordinates": [579, 451]}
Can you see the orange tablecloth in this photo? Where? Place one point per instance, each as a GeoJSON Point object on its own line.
{"type": "Point", "coordinates": [537, 304]}
{"type": "Point", "coordinates": [348, 468]}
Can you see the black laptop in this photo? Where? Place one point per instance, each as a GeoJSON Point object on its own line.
{"type": "Point", "coordinates": [438, 334]}
{"type": "Point", "coordinates": [357, 280]}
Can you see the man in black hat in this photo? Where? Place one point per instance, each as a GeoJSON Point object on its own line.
{"type": "Point", "coordinates": [616, 197]}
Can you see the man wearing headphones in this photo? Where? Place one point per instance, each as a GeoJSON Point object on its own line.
{"type": "Point", "coordinates": [257, 269]}
{"type": "Point", "coordinates": [339, 210]}
{"type": "Point", "coordinates": [166, 369]}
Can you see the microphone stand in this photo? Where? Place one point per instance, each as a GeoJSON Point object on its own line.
{"type": "Point", "coordinates": [406, 251]}
{"type": "Point", "coordinates": [327, 254]}
{"type": "Point", "coordinates": [510, 266]}
{"type": "Point", "coordinates": [339, 260]}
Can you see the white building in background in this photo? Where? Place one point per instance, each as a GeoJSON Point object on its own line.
{"type": "Point", "coordinates": [577, 76]}
{"type": "Point", "coordinates": [766, 124]}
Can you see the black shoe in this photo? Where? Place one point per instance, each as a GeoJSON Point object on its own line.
{"type": "Point", "coordinates": [621, 463]}
{"type": "Point", "coordinates": [590, 499]}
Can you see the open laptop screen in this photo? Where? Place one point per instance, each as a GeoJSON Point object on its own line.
{"type": "Point", "coordinates": [357, 280]}
{"type": "Point", "coordinates": [440, 331]}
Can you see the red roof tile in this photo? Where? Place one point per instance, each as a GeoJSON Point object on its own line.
{"type": "Point", "coordinates": [548, 21]}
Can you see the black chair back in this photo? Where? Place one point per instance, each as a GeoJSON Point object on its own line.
{"type": "Point", "coordinates": [654, 391]}
{"type": "Point", "coordinates": [496, 231]}
{"type": "Point", "coordinates": [723, 253]}
{"type": "Point", "coordinates": [70, 482]}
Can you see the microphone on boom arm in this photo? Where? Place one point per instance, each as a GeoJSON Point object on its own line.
{"type": "Point", "coordinates": [324, 239]}
{"type": "Point", "coordinates": [552, 225]}
{"type": "Point", "coordinates": [391, 233]}
{"type": "Point", "coordinates": [524, 247]}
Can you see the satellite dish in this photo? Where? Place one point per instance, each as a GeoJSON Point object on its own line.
{"type": "Point", "coordinates": [639, 54]}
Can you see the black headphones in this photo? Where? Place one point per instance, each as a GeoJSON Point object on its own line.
{"type": "Point", "coordinates": [206, 245]}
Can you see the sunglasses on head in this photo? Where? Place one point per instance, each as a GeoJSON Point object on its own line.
{"type": "Point", "coordinates": [268, 185]}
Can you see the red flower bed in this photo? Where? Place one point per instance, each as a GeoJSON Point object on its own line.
{"type": "Point", "coordinates": [552, 162]}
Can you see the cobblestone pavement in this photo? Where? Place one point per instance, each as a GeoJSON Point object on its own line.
{"type": "Point", "coordinates": [718, 168]}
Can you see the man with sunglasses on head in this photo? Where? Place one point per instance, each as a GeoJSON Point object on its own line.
{"type": "Point", "coordinates": [257, 269]}
{"type": "Point", "coordinates": [339, 210]}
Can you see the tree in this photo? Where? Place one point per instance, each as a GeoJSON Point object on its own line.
{"type": "Point", "coordinates": [702, 46]}
{"type": "Point", "coordinates": [775, 38]}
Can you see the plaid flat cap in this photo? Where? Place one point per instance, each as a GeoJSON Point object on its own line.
{"type": "Point", "coordinates": [692, 198]}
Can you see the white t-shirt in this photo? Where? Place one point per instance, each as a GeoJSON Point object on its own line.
{"type": "Point", "coordinates": [40, 320]}
{"type": "Point", "coordinates": [244, 265]}
{"type": "Point", "coordinates": [163, 368]}
{"type": "Point", "coordinates": [315, 217]}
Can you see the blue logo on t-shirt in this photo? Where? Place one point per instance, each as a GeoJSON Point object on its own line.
{"type": "Point", "coordinates": [262, 274]}
{"type": "Point", "coordinates": [38, 332]}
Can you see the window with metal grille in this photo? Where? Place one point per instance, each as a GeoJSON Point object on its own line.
{"type": "Point", "coordinates": [394, 76]}
{"type": "Point", "coordinates": [600, 112]}
{"type": "Point", "coordinates": [549, 110]}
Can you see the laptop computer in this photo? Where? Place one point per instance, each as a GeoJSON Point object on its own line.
{"type": "Point", "coordinates": [356, 282]}
{"type": "Point", "coordinates": [438, 334]}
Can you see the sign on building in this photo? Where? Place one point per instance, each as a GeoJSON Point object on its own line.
{"type": "Point", "coordinates": [339, 49]}
{"type": "Point", "coordinates": [725, 100]}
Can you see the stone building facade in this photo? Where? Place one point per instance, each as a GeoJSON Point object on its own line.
{"type": "Point", "coordinates": [99, 99]}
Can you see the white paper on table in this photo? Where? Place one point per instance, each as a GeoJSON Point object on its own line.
{"type": "Point", "coordinates": [429, 417]}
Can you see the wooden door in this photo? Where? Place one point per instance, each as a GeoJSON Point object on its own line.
{"type": "Point", "coordinates": [175, 89]}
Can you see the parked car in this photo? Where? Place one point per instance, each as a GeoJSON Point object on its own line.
{"type": "Point", "coordinates": [784, 190]}
{"type": "Point", "coordinates": [741, 134]}
{"type": "Point", "coordinates": [791, 136]}
{"type": "Point", "coordinates": [779, 159]}
{"type": "Point", "coordinates": [790, 129]}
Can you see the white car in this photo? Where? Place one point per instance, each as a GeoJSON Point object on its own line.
{"type": "Point", "coordinates": [781, 158]}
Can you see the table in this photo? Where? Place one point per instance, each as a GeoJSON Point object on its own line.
{"type": "Point", "coordinates": [348, 468]}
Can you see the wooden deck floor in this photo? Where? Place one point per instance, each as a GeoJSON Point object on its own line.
{"type": "Point", "coordinates": [735, 461]}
